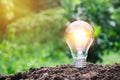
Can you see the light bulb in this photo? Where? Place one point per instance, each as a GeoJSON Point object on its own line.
{"type": "Point", "coordinates": [79, 36]}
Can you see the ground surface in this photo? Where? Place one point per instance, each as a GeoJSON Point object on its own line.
{"type": "Point", "coordinates": [68, 72]}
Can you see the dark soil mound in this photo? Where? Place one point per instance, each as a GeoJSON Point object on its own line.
{"type": "Point", "coordinates": [68, 72]}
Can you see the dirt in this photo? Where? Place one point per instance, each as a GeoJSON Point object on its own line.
{"type": "Point", "coordinates": [68, 72]}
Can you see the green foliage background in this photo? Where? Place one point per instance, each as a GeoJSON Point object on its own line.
{"type": "Point", "coordinates": [37, 39]}
{"type": "Point", "coordinates": [104, 15]}
{"type": "Point", "coordinates": [34, 41]}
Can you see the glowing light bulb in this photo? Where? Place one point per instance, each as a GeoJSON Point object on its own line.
{"type": "Point", "coordinates": [79, 37]}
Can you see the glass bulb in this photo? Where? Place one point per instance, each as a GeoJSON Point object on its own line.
{"type": "Point", "coordinates": [79, 37]}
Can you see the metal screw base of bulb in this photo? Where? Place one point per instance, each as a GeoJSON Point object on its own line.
{"type": "Point", "coordinates": [80, 62]}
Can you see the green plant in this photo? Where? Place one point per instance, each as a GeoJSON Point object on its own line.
{"type": "Point", "coordinates": [33, 41]}
{"type": "Point", "coordinates": [69, 7]}
{"type": "Point", "coordinates": [109, 57]}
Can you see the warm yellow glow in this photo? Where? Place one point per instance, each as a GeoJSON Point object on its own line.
{"type": "Point", "coordinates": [10, 15]}
{"type": "Point", "coordinates": [4, 1]}
{"type": "Point", "coordinates": [79, 36]}
{"type": "Point", "coordinates": [8, 7]}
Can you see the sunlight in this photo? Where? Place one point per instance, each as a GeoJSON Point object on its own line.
{"type": "Point", "coordinates": [8, 8]}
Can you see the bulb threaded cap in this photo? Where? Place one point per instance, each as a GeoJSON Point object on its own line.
{"type": "Point", "coordinates": [80, 62]}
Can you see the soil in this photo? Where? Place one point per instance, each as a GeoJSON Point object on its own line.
{"type": "Point", "coordinates": [68, 72]}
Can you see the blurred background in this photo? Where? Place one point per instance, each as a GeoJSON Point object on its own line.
{"type": "Point", "coordinates": [32, 32]}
